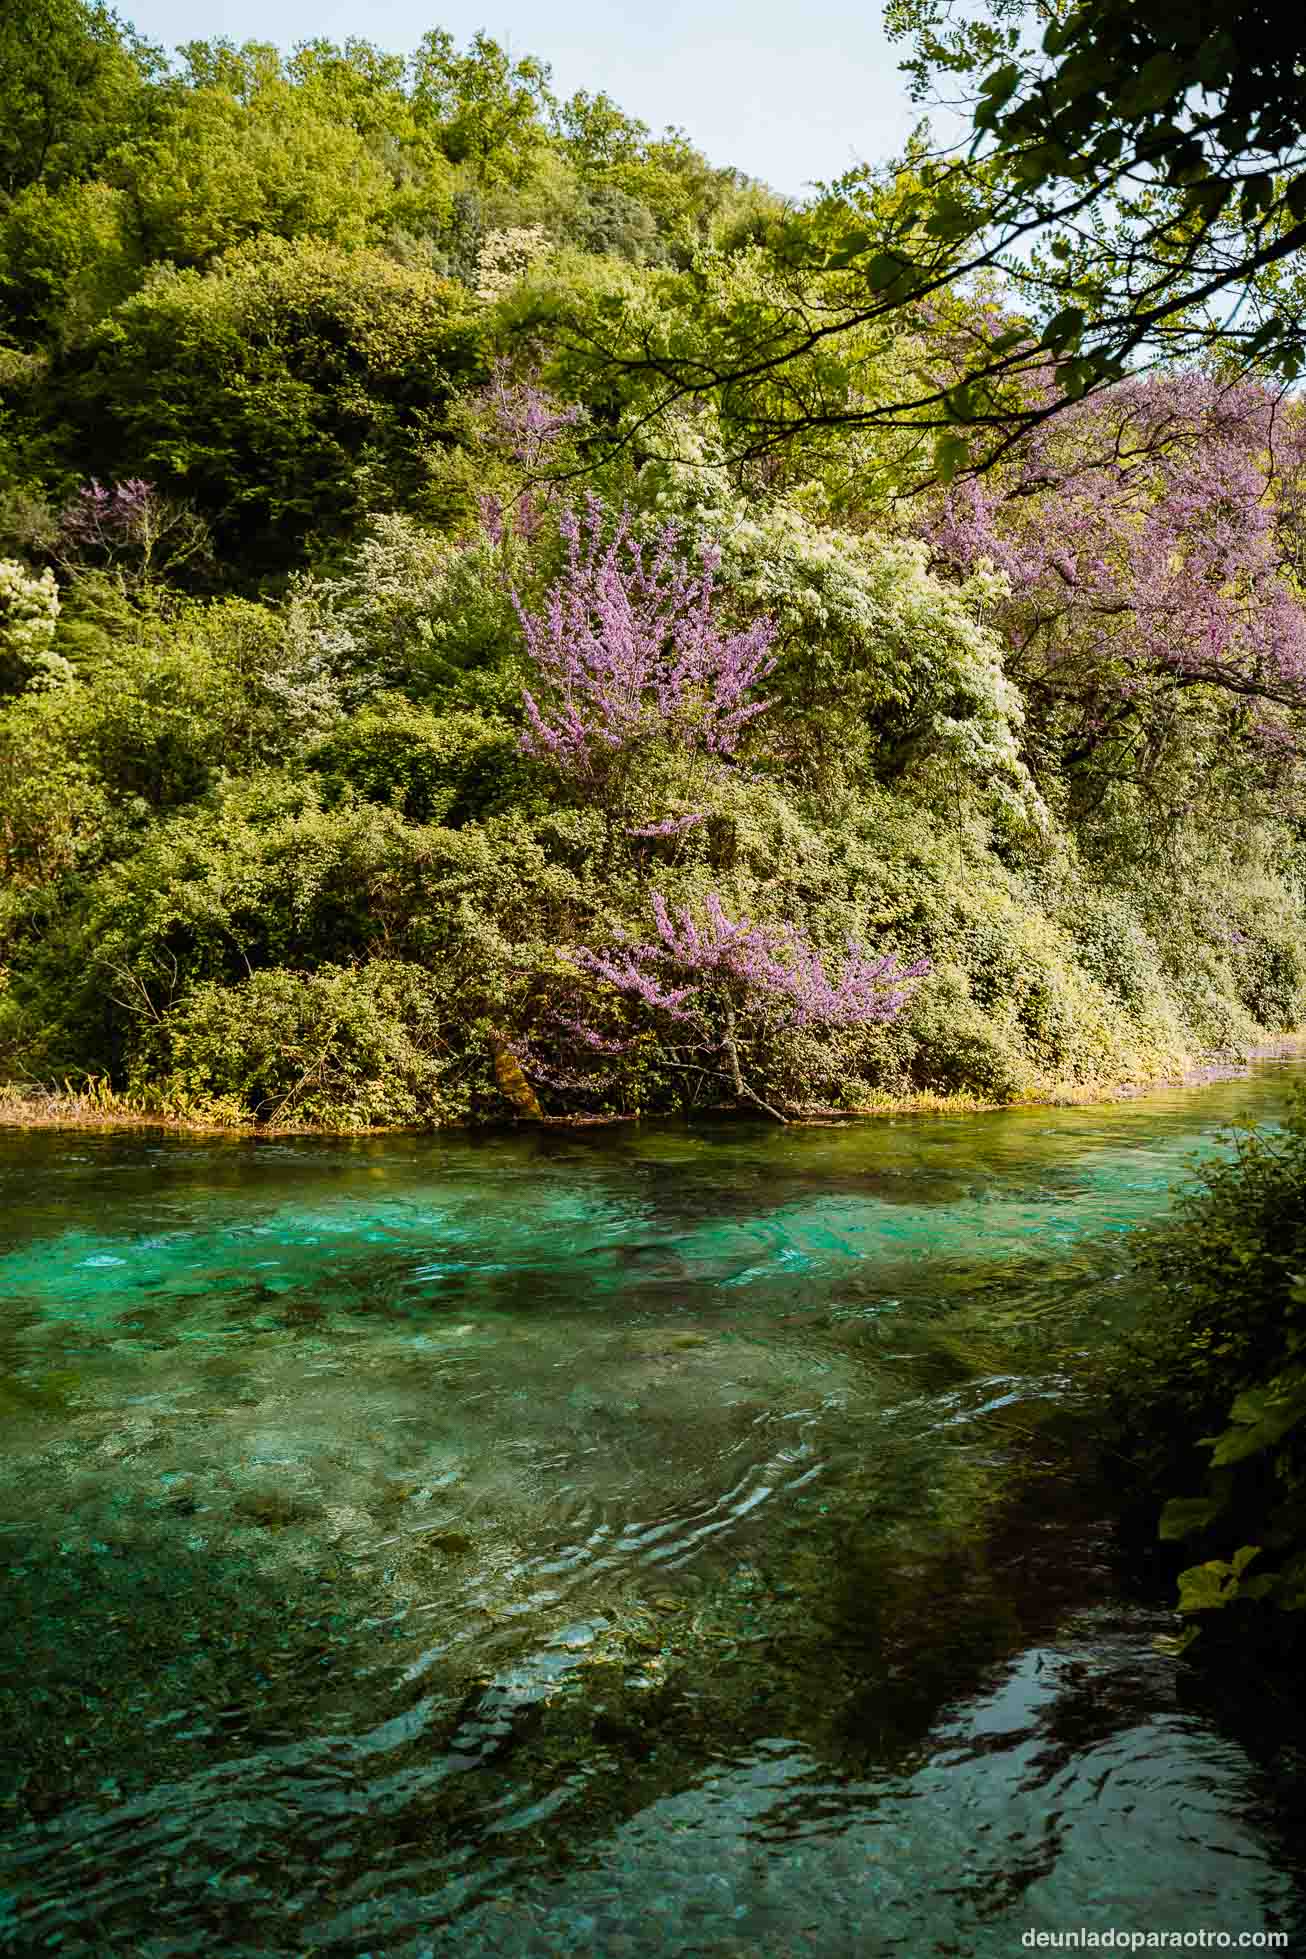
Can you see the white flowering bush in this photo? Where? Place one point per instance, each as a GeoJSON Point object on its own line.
{"type": "Point", "coordinates": [409, 610]}
{"type": "Point", "coordinates": [506, 256]}
{"type": "Point", "coordinates": [29, 619]}
{"type": "Point", "coordinates": [867, 633]}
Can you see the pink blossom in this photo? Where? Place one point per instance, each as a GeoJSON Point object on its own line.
{"type": "Point", "coordinates": [524, 419]}
{"type": "Point", "coordinates": [677, 972]}
{"type": "Point", "coordinates": [1143, 534]}
{"type": "Point", "coordinates": [628, 650]}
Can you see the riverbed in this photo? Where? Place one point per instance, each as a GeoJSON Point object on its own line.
{"type": "Point", "coordinates": [649, 1541]}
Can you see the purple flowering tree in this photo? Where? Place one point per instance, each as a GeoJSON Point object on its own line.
{"type": "Point", "coordinates": [1152, 542]}
{"type": "Point", "coordinates": [128, 529]}
{"type": "Point", "coordinates": [629, 653]}
{"type": "Point", "coordinates": [702, 976]}
{"type": "Point", "coordinates": [527, 429]}
{"type": "Point", "coordinates": [524, 421]}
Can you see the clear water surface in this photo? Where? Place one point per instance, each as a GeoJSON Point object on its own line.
{"type": "Point", "coordinates": [649, 1541]}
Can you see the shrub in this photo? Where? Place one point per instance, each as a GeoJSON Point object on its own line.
{"type": "Point", "coordinates": [433, 768]}
{"type": "Point", "coordinates": [1212, 1390]}
{"type": "Point", "coordinates": [949, 1045]}
{"type": "Point", "coordinates": [344, 1047]}
{"type": "Point", "coordinates": [29, 620]}
{"type": "Point", "coordinates": [409, 611]}
{"type": "Point", "coordinates": [1271, 970]}
{"type": "Point", "coordinates": [877, 654]}
{"type": "Point", "coordinates": [171, 706]}
{"type": "Point", "coordinates": [258, 875]}
{"type": "Point", "coordinates": [165, 705]}
{"type": "Point", "coordinates": [55, 816]}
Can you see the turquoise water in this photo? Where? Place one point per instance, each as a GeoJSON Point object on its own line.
{"type": "Point", "coordinates": [645, 1541]}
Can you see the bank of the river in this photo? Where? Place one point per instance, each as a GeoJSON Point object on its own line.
{"type": "Point", "coordinates": [652, 1541]}
{"type": "Point", "coordinates": [24, 1106]}
{"type": "Point", "coordinates": [60, 1109]}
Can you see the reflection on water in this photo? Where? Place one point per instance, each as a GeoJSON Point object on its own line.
{"type": "Point", "coordinates": [658, 1542]}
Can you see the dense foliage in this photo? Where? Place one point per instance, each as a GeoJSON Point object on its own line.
{"type": "Point", "coordinates": [1213, 1386]}
{"type": "Point", "coordinates": [407, 715]}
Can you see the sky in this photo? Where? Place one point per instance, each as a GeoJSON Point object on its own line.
{"type": "Point", "coordinates": [792, 96]}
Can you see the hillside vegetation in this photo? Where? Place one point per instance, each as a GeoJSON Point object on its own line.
{"type": "Point", "coordinates": [408, 715]}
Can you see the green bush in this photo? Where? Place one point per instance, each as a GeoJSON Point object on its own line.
{"type": "Point", "coordinates": [947, 1044]}
{"type": "Point", "coordinates": [66, 258]}
{"type": "Point", "coordinates": [433, 768]}
{"type": "Point", "coordinates": [258, 875]}
{"type": "Point", "coordinates": [56, 819]}
{"type": "Point", "coordinates": [1270, 965]}
{"type": "Point", "coordinates": [1211, 1390]}
{"type": "Point", "coordinates": [410, 611]}
{"type": "Point", "coordinates": [173, 701]}
{"type": "Point", "coordinates": [1113, 948]}
{"type": "Point", "coordinates": [155, 712]}
{"type": "Point", "coordinates": [343, 1047]}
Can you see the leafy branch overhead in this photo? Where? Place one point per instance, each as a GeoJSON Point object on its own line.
{"type": "Point", "coordinates": [1131, 188]}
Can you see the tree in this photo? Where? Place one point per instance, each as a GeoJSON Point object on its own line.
{"type": "Point", "coordinates": [598, 135]}
{"type": "Point", "coordinates": [629, 651]}
{"type": "Point", "coordinates": [235, 150]}
{"type": "Point", "coordinates": [72, 85]}
{"type": "Point", "coordinates": [285, 389]}
{"type": "Point", "coordinates": [1185, 121]}
{"type": "Point", "coordinates": [67, 257]}
{"type": "Point", "coordinates": [703, 976]}
{"type": "Point", "coordinates": [487, 110]}
{"type": "Point", "coordinates": [128, 532]}
{"type": "Point", "coordinates": [1137, 181]}
{"type": "Point", "coordinates": [1148, 540]}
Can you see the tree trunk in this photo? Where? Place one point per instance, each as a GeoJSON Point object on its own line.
{"type": "Point", "coordinates": [732, 1052]}
{"type": "Point", "coordinates": [743, 1093]}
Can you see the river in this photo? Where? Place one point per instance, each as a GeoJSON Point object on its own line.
{"type": "Point", "coordinates": [640, 1541]}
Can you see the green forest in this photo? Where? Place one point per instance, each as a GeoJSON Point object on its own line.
{"type": "Point", "coordinates": [494, 623]}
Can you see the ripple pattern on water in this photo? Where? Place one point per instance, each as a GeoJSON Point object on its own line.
{"type": "Point", "coordinates": [675, 1543]}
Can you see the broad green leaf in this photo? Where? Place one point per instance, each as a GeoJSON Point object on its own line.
{"type": "Point", "coordinates": [1153, 85]}
{"type": "Point", "coordinates": [1261, 1417]}
{"type": "Point", "coordinates": [1065, 327]}
{"type": "Point", "coordinates": [1001, 84]}
{"type": "Point", "coordinates": [888, 269]}
{"type": "Point", "coordinates": [950, 455]}
{"type": "Point", "coordinates": [850, 247]}
{"type": "Point", "coordinates": [1185, 1514]}
{"type": "Point", "coordinates": [1205, 1587]}
{"type": "Point", "coordinates": [950, 220]}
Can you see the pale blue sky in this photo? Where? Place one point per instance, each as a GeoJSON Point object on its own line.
{"type": "Point", "coordinates": [789, 94]}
